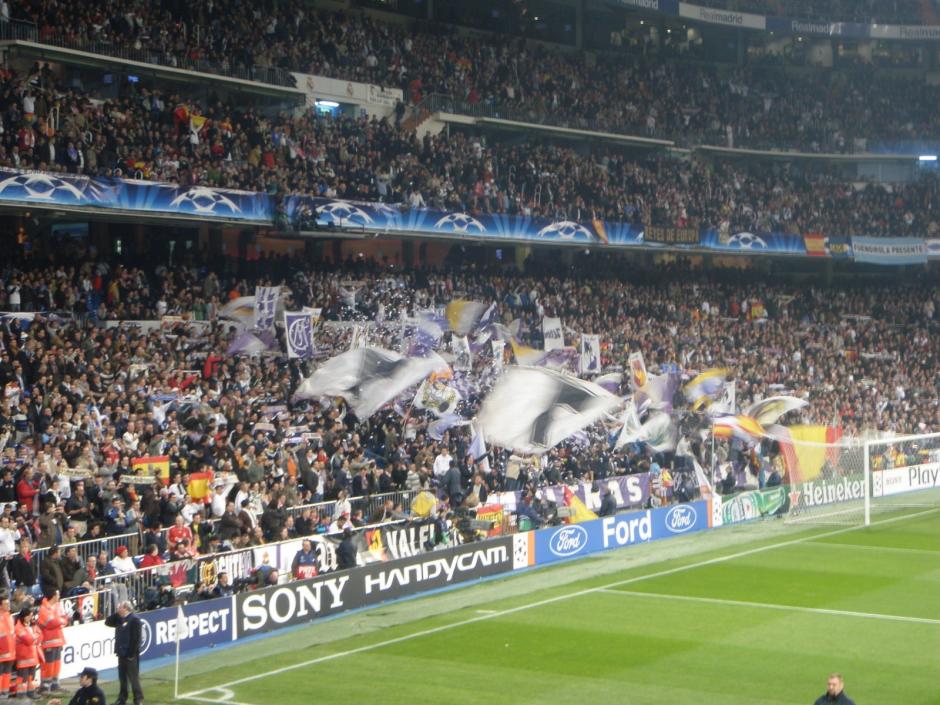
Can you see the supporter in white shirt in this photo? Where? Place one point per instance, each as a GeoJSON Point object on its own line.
{"type": "Point", "coordinates": [442, 463]}
{"type": "Point", "coordinates": [191, 509]}
{"type": "Point", "coordinates": [8, 537]}
{"type": "Point", "coordinates": [218, 501]}
{"type": "Point", "coordinates": [122, 562]}
{"type": "Point", "coordinates": [342, 506]}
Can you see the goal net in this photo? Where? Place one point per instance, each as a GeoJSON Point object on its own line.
{"type": "Point", "coordinates": [849, 482]}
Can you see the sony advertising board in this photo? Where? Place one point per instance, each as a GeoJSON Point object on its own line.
{"type": "Point", "coordinates": [561, 542]}
{"type": "Point", "coordinates": [299, 602]}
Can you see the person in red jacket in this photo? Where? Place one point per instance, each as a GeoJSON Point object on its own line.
{"type": "Point", "coordinates": [27, 489]}
{"type": "Point", "coordinates": [7, 648]}
{"type": "Point", "coordinates": [52, 622]}
{"type": "Point", "coordinates": [28, 653]}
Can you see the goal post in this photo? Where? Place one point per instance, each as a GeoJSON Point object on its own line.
{"type": "Point", "coordinates": [847, 482]}
{"type": "Point", "coordinates": [902, 472]}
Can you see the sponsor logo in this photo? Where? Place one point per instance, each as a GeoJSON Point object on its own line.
{"type": "Point", "coordinates": [203, 624]}
{"type": "Point", "coordinates": [442, 569]}
{"type": "Point", "coordinates": [816, 493]}
{"type": "Point", "coordinates": [568, 540]}
{"type": "Point", "coordinates": [292, 603]}
{"type": "Point", "coordinates": [680, 518]}
{"type": "Point", "coordinates": [628, 529]}
{"type": "Point", "coordinates": [921, 476]}
{"type": "Point", "coordinates": [643, 4]}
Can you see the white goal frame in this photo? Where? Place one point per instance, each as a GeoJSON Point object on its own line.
{"type": "Point", "coordinates": [883, 442]}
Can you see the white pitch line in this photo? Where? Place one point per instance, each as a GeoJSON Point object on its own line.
{"type": "Point", "coordinates": [890, 549]}
{"type": "Point", "coordinates": [547, 601]}
{"type": "Point", "coordinates": [772, 606]}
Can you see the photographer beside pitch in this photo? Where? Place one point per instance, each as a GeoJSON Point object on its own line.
{"type": "Point", "coordinates": [835, 692]}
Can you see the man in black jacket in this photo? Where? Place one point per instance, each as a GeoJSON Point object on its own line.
{"type": "Point", "coordinates": [835, 693]}
{"type": "Point", "coordinates": [346, 551]}
{"type": "Point", "coordinates": [89, 693]}
{"type": "Point", "coordinates": [127, 635]}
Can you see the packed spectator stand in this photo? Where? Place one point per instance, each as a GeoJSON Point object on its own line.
{"type": "Point", "coordinates": [85, 395]}
{"type": "Point", "coordinates": [83, 399]}
{"type": "Point", "coordinates": [502, 76]}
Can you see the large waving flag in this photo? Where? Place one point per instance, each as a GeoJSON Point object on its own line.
{"type": "Point", "coordinates": [767, 411]}
{"type": "Point", "coordinates": [464, 315]}
{"type": "Point", "coordinates": [241, 311]}
{"type": "Point", "coordinates": [437, 397]}
{"type": "Point", "coordinates": [658, 392]}
{"type": "Point", "coordinates": [579, 510]}
{"type": "Point", "coordinates": [266, 300]}
{"type": "Point", "coordinates": [526, 355]}
{"type": "Point", "coordinates": [806, 449]}
{"type": "Point", "coordinates": [659, 431]}
{"type": "Point", "coordinates": [705, 386]}
{"type": "Point", "coordinates": [367, 378]}
{"type": "Point", "coordinates": [477, 451]}
{"type": "Point", "coordinates": [530, 410]}
{"type": "Point", "coordinates": [742, 427]}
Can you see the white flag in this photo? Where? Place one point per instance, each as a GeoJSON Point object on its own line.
{"type": "Point", "coordinates": [298, 333]}
{"type": "Point", "coordinates": [590, 354]}
{"type": "Point", "coordinates": [367, 378]}
{"type": "Point", "coordinates": [266, 298]}
{"type": "Point", "coordinates": [533, 409]}
{"type": "Point", "coordinates": [552, 333]}
{"type": "Point", "coordinates": [463, 359]}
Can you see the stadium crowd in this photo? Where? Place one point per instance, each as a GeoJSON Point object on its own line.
{"type": "Point", "coordinates": [80, 395]}
{"type": "Point", "coordinates": [149, 134]}
{"type": "Point", "coordinates": [500, 75]}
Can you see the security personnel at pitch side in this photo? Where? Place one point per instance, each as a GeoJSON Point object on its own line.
{"type": "Point", "coordinates": [835, 695]}
{"type": "Point", "coordinates": [89, 693]}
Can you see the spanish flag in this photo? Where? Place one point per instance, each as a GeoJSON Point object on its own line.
{"type": "Point", "coordinates": [579, 511]}
{"type": "Point", "coordinates": [815, 244]}
{"type": "Point", "coordinates": [199, 485]}
{"type": "Point", "coordinates": [153, 466]}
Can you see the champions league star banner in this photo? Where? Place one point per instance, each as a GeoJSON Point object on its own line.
{"type": "Point", "coordinates": [382, 217]}
{"type": "Point", "coordinates": [752, 243]}
{"type": "Point", "coordinates": [69, 190]}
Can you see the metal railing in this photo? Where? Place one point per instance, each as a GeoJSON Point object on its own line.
{"type": "Point", "coordinates": [91, 547]}
{"type": "Point", "coordinates": [239, 564]}
{"type": "Point", "coordinates": [27, 31]}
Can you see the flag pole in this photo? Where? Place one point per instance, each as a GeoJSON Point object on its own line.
{"type": "Point", "coordinates": [176, 678]}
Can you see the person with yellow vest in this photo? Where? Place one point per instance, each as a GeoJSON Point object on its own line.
{"type": "Point", "coordinates": [28, 653]}
{"type": "Point", "coordinates": [52, 621]}
{"type": "Point", "coordinates": [7, 647]}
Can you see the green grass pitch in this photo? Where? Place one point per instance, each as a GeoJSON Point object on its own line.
{"type": "Point", "coordinates": [751, 614]}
